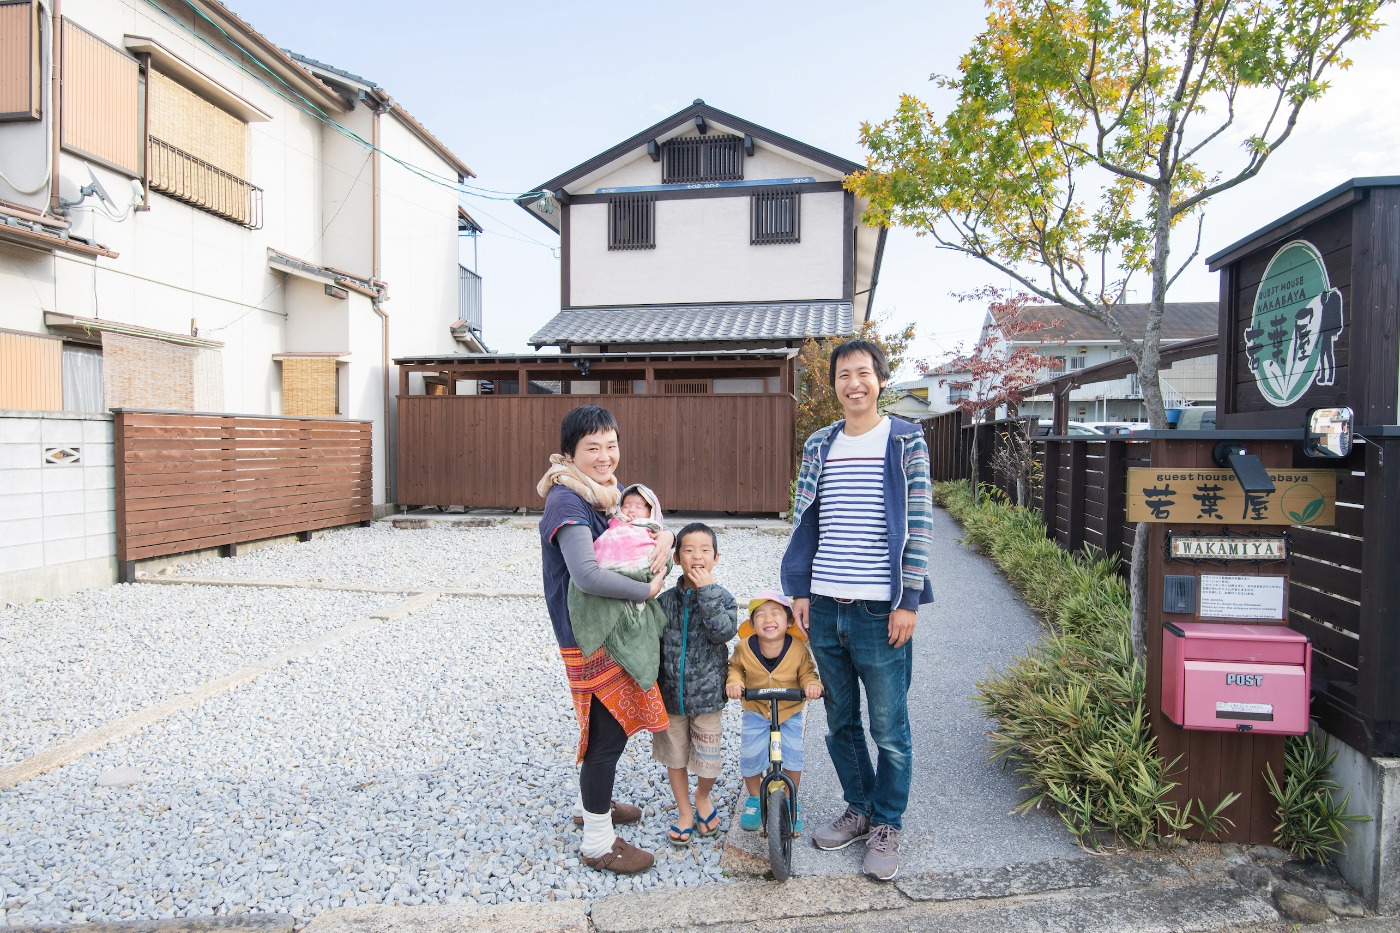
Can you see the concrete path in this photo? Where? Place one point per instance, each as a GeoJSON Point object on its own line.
{"type": "Point", "coordinates": [960, 805]}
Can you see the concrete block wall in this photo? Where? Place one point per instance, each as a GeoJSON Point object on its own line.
{"type": "Point", "coordinates": [1371, 858]}
{"type": "Point", "coordinates": [57, 512]}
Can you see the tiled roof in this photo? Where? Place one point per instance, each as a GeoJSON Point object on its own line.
{"type": "Point", "coordinates": [698, 323]}
{"type": "Point", "coordinates": [1181, 320]}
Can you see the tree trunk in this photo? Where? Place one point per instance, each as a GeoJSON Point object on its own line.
{"type": "Point", "coordinates": [1137, 590]}
{"type": "Point", "coordinates": [1150, 377]}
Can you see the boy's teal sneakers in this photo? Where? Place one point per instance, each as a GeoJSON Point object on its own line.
{"type": "Point", "coordinates": [749, 820]}
{"type": "Point", "coordinates": [797, 819]}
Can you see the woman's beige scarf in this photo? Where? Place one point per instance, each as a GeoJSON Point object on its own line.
{"type": "Point", "coordinates": [562, 472]}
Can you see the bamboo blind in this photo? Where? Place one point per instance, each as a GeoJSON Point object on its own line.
{"type": "Point", "coordinates": [19, 61]}
{"type": "Point", "coordinates": [187, 121]}
{"type": "Point", "coordinates": [309, 387]}
{"type": "Point", "coordinates": [101, 114]}
{"type": "Point", "coordinates": [31, 372]}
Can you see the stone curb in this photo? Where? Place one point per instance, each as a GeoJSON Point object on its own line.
{"type": "Point", "coordinates": [230, 923]}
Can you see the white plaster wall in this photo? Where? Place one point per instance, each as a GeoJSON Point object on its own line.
{"type": "Point", "coordinates": [26, 287]}
{"type": "Point", "coordinates": [347, 177]}
{"type": "Point", "coordinates": [363, 384]}
{"type": "Point", "coordinates": [703, 254]}
{"type": "Point", "coordinates": [318, 323]}
{"type": "Point", "coordinates": [418, 246]}
{"type": "Point", "coordinates": [57, 520]}
{"type": "Point", "coordinates": [764, 163]}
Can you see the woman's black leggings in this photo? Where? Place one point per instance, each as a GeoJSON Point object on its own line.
{"type": "Point", "coordinates": [606, 740]}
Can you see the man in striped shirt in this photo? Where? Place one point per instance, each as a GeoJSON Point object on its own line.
{"type": "Point", "coordinates": [857, 569]}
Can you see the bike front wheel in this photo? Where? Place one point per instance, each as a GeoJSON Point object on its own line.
{"type": "Point", "coordinates": [779, 834]}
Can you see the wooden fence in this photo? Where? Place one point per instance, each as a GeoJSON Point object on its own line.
{"type": "Point", "coordinates": [701, 453]}
{"type": "Point", "coordinates": [186, 481]}
{"type": "Point", "coordinates": [1343, 586]}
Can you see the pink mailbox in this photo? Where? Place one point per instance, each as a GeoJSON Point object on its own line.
{"type": "Point", "coordinates": [1236, 678]}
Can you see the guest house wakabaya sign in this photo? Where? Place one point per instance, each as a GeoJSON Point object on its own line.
{"type": "Point", "coordinates": [1290, 339]}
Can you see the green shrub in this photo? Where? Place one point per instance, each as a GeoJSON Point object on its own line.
{"type": "Point", "coordinates": [1312, 821]}
{"type": "Point", "coordinates": [1071, 712]}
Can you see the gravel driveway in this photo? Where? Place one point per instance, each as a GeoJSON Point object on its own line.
{"type": "Point", "coordinates": [423, 759]}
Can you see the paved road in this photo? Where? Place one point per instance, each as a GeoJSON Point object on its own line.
{"type": "Point", "coordinates": [960, 805]}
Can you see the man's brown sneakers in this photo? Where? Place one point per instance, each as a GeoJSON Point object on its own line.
{"type": "Point", "coordinates": [621, 813]}
{"type": "Point", "coordinates": [625, 859]}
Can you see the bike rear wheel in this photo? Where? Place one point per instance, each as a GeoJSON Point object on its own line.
{"type": "Point", "coordinates": [779, 834]}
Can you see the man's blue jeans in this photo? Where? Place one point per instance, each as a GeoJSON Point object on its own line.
{"type": "Point", "coordinates": [851, 642]}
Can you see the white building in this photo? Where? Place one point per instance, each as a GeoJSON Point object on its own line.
{"type": "Point", "coordinates": [934, 393]}
{"type": "Point", "coordinates": [193, 219]}
{"type": "Point", "coordinates": [1070, 341]}
{"type": "Point", "coordinates": [707, 232]}
{"type": "Point", "coordinates": [269, 233]}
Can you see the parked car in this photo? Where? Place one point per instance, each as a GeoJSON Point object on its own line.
{"type": "Point", "coordinates": [1197, 418]}
{"type": "Point", "coordinates": [1115, 427]}
{"type": "Point", "coordinates": [1072, 428]}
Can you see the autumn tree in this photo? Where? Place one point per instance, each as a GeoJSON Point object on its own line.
{"type": "Point", "coordinates": [1085, 134]}
{"type": "Point", "coordinates": [817, 404]}
{"type": "Point", "coordinates": [1001, 366]}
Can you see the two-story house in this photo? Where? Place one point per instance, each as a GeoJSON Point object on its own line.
{"type": "Point", "coordinates": [707, 232]}
{"type": "Point", "coordinates": [937, 391]}
{"type": "Point", "coordinates": [1070, 341]}
{"type": "Point", "coordinates": [193, 219]}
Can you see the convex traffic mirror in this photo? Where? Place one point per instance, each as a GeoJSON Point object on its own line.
{"type": "Point", "coordinates": [1328, 433]}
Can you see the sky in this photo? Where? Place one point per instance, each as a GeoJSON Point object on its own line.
{"type": "Point", "coordinates": [526, 90]}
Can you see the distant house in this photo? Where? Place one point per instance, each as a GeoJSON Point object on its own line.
{"type": "Point", "coordinates": [1071, 341]}
{"type": "Point", "coordinates": [706, 232]}
{"type": "Point", "coordinates": [937, 391]}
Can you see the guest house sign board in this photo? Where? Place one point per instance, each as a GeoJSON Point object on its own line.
{"type": "Point", "coordinates": [1307, 312]}
{"type": "Point", "coordinates": [1290, 338]}
{"type": "Point", "coordinates": [1187, 496]}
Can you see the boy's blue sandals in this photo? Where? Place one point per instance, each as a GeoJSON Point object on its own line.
{"type": "Point", "coordinates": [749, 819]}
{"type": "Point", "coordinates": [680, 838]}
{"type": "Point", "coordinates": [708, 825]}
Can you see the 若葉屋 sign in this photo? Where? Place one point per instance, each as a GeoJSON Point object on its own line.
{"type": "Point", "coordinates": [1300, 497]}
{"type": "Point", "coordinates": [1200, 547]}
{"type": "Point", "coordinates": [1290, 338]}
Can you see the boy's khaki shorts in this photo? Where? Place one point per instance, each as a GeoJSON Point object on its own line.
{"type": "Point", "coordinates": [691, 742]}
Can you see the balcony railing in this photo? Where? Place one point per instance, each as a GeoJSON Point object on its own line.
{"type": "Point", "coordinates": [469, 298]}
{"type": "Point", "coordinates": [186, 178]}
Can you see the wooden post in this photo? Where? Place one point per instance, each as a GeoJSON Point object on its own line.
{"type": "Point", "coordinates": [1209, 764]}
{"type": "Point", "coordinates": [126, 568]}
{"type": "Point", "coordinates": [1078, 454]}
{"type": "Point", "coordinates": [1115, 495]}
{"type": "Point", "coordinates": [1050, 498]}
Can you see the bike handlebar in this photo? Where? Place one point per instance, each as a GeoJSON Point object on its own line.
{"type": "Point", "coordinates": [774, 693]}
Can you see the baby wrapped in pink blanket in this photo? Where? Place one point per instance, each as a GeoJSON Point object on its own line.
{"type": "Point", "coordinates": [630, 631]}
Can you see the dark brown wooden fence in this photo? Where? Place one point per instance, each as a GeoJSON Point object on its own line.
{"type": "Point", "coordinates": [700, 453]}
{"type": "Point", "coordinates": [186, 481]}
{"type": "Point", "coordinates": [1344, 584]}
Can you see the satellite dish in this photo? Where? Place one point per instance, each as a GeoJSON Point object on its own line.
{"type": "Point", "coordinates": [95, 187]}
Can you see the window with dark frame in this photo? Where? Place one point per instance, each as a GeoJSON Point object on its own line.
{"type": "Point", "coordinates": [702, 158]}
{"type": "Point", "coordinates": [775, 216]}
{"type": "Point", "coordinates": [632, 221]}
